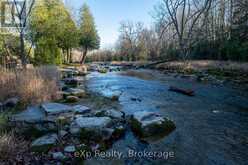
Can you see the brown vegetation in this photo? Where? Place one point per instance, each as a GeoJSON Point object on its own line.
{"type": "Point", "coordinates": [201, 65]}
{"type": "Point", "coordinates": [32, 86]}
{"type": "Point", "coordinates": [11, 146]}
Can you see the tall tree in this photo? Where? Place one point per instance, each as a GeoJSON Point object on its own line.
{"type": "Point", "coordinates": [51, 29]}
{"type": "Point", "coordinates": [89, 38]}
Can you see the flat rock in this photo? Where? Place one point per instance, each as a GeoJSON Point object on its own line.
{"type": "Point", "coordinates": [56, 108]}
{"type": "Point", "coordinates": [62, 133]}
{"type": "Point", "coordinates": [89, 123]}
{"type": "Point", "coordinates": [70, 149]}
{"type": "Point", "coordinates": [93, 122]}
{"type": "Point", "coordinates": [80, 109]}
{"type": "Point", "coordinates": [147, 124]}
{"type": "Point", "coordinates": [31, 115]}
{"type": "Point", "coordinates": [115, 114]}
{"type": "Point", "coordinates": [76, 92]}
{"type": "Point", "coordinates": [44, 143]}
{"type": "Point", "coordinates": [111, 113]}
{"type": "Point", "coordinates": [58, 156]}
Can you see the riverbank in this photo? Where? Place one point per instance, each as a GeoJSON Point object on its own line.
{"type": "Point", "coordinates": [204, 70]}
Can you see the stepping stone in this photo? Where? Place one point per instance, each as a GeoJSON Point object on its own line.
{"type": "Point", "coordinates": [44, 143]}
{"type": "Point", "coordinates": [56, 108]}
{"type": "Point", "coordinates": [31, 115]}
{"type": "Point", "coordinates": [94, 124]}
{"type": "Point", "coordinates": [58, 156]}
{"type": "Point", "coordinates": [147, 124]}
{"type": "Point", "coordinates": [111, 113]}
{"type": "Point", "coordinates": [80, 109]}
{"type": "Point", "coordinates": [76, 92]}
{"type": "Point", "coordinates": [70, 149]}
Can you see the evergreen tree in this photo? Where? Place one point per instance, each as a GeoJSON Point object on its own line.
{"type": "Point", "coordinates": [52, 30]}
{"type": "Point", "coordinates": [89, 38]}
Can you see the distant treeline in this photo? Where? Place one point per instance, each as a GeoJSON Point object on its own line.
{"type": "Point", "coordinates": [185, 29]}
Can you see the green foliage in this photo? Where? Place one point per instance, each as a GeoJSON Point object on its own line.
{"type": "Point", "coordinates": [89, 38]}
{"type": "Point", "coordinates": [51, 29]}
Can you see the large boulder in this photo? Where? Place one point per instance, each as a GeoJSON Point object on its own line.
{"type": "Point", "coordinates": [147, 124]}
{"type": "Point", "coordinates": [56, 108]}
{"type": "Point", "coordinates": [44, 143]}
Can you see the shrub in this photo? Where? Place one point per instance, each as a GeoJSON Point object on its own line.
{"type": "Point", "coordinates": [32, 86]}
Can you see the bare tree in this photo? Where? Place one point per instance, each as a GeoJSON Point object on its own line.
{"type": "Point", "coordinates": [184, 16]}
{"type": "Point", "coordinates": [23, 12]}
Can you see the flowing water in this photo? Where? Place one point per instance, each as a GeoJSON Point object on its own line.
{"type": "Point", "coordinates": [212, 127]}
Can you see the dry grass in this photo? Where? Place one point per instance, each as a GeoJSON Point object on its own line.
{"type": "Point", "coordinates": [11, 146]}
{"type": "Point", "coordinates": [32, 86]}
{"type": "Point", "coordinates": [201, 65]}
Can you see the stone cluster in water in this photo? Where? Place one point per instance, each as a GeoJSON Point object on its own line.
{"type": "Point", "coordinates": [60, 129]}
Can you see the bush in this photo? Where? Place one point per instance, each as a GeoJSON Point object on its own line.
{"type": "Point", "coordinates": [32, 86]}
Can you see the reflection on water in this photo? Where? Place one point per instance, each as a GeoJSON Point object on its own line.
{"type": "Point", "coordinates": [212, 127]}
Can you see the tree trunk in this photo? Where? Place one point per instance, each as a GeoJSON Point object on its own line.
{"type": "Point", "coordinates": [22, 50]}
{"type": "Point", "coordinates": [70, 54]}
{"type": "Point", "coordinates": [67, 55]}
{"type": "Point", "coordinates": [84, 55]}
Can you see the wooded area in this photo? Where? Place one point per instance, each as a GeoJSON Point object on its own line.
{"type": "Point", "coordinates": [185, 29]}
{"type": "Point", "coordinates": [47, 33]}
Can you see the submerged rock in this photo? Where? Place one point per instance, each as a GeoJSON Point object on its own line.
{"type": "Point", "coordinates": [187, 92]}
{"type": "Point", "coordinates": [56, 108]}
{"type": "Point", "coordinates": [147, 124]}
{"type": "Point", "coordinates": [44, 143]}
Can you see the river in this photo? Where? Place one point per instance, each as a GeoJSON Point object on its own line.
{"type": "Point", "coordinates": [211, 127]}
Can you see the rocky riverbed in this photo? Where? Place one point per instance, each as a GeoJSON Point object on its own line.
{"type": "Point", "coordinates": [114, 115]}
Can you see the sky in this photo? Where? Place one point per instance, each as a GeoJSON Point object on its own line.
{"type": "Point", "coordinates": [109, 13]}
